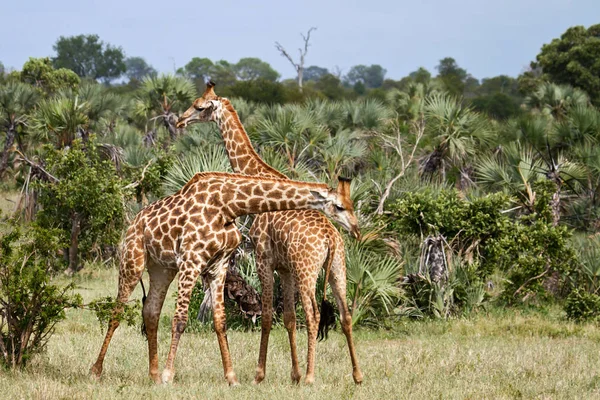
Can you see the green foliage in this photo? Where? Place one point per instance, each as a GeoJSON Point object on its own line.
{"type": "Point", "coordinates": [88, 191]}
{"type": "Point", "coordinates": [89, 57]}
{"type": "Point", "coordinates": [252, 68]}
{"type": "Point", "coordinates": [582, 306]}
{"type": "Point", "coordinates": [136, 68]}
{"type": "Point", "coordinates": [369, 76]}
{"type": "Point", "coordinates": [574, 59]}
{"type": "Point", "coordinates": [105, 307]}
{"type": "Point", "coordinates": [40, 73]}
{"type": "Point", "coordinates": [527, 248]}
{"type": "Point", "coordinates": [259, 90]}
{"type": "Point", "coordinates": [30, 307]}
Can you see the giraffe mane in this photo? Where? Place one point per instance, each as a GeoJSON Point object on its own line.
{"type": "Point", "coordinates": [236, 120]}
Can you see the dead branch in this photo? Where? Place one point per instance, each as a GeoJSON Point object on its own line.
{"type": "Point", "coordinates": [298, 66]}
{"type": "Point", "coordinates": [37, 166]}
{"type": "Point", "coordinates": [395, 143]}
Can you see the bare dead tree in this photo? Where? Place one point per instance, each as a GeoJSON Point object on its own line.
{"type": "Point", "coordinates": [395, 143]}
{"type": "Point", "coordinates": [298, 66]}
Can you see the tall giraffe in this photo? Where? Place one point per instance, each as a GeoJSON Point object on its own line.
{"type": "Point", "coordinates": [296, 244]}
{"type": "Point", "coordinates": [193, 232]}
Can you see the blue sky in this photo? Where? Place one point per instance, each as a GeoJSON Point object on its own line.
{"type": "Point", "coordinates": [487, 38]}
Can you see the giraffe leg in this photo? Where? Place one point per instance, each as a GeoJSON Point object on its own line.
{"type": "Point", "coordinates": [217, 286]}
{"type": "Point", "coordinates": [337, 281]}
{"type": "Point", "coordinates": [187, 279]}
{"type": "Point", "coordinates": [160, 280]}
{"type": "Point", "coordinates": [130, 272]}
{"type": "Point", "coordinates": [309, 303]}
{"type": "Point", "coordinates": [265, 274]}
{"type": "Point", "coordinates": [289, 320]}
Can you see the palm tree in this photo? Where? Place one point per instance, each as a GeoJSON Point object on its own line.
{"type": "Point", "coordinates": [452, 132]}
{"type": "Point", "coordinates": [162, 97]}
{"type": "Point", "coordinates": [16, 101]}
{"type": "Point", "coordinates": [556, 100]}
{"type": "Point", "coordinates": [61, 118]}
{"type": "Point", "coordinates": [293, 130]}
{"type": "Point", "coordinates": [516, 168]}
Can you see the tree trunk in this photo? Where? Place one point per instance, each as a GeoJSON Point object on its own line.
{"type": "Point", "coordinates": [10, 140]}
{"type": "Point", "coordinates": [74, 247]}
{"type": "Point", "coordinates": [300, 77]}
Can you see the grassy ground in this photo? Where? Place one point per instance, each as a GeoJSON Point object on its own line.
{"type": "Point", "coordinates": [505, 355]}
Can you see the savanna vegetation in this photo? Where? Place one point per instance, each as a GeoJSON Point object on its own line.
{"type": "Point", "coordinates": [478, 203]}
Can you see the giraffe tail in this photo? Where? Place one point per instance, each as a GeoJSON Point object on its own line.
{"type": "Point", "coordinates": [143, 328]}
{"type": "Point", "coordinates": [328, 317]}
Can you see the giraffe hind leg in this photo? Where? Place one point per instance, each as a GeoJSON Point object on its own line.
{"type": "Point", "coordinates": [289, 320]}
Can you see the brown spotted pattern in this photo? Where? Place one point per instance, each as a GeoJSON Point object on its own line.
{"type": "Point", "coordinates": [193, 232]}
{"type": "Point", "coordinates": [296, 244]}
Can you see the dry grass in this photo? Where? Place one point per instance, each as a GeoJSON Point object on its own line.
{"type": "Point", "coordinates": [493, 357]}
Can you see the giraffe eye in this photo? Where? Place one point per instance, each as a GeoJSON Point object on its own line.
{"type": "Point", "coordinates": [339, 208]}
{"type": "Point", "coordinates": [200, 108]}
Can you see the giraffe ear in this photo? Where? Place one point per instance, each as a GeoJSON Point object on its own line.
{"type": "Point", "coordinates": [321, 195]}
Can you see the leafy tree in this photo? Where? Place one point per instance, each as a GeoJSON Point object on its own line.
{"type": "Point", "coordinates": [40, 73]}
{"type": "Point", "coordinates": [16, 101]}
{"type": "Point", "coordinates": [89, 57]}
{"type": "Point", "coordinates": [420, 76]}
{"type": "Point", "coordinates": [330, 86]}
{"type": "Point", "coordinates": [254, 68]}
{"type": "Point", "coordinates": [84, 199]}
{"type": "Point", "coordinates": [61, 119]}
{"type": "Point", "coordinates": [574, 59]}
{"type": "Point", "coordinates": [137, 68]}
{"type": "Point", "coordinates": [30, 306]}
{"type": "Point", "coordinates": [453, 77]}
{"type": "Point", "coordinates": [223, 73]}
{"type": "Point", "coordinates": [259, 90]}
{"type": "Point", "coordinates": [370, 76]}
{"type": "Point", "coordinates": [498, 84]}
{"type": "Point", "coordinates": [314, 73]}
{"type": "Point", "coordinates": [498, 105]}
{"type": "Point", "coordinates": [2, 72]}
{"type": "Point", "coordinates": [198, 69]}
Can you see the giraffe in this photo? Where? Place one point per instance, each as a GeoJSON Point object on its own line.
{"type": "Point", "coordinates": [193, 232]}
{"type": "Point", "coordinates": [294, 243]}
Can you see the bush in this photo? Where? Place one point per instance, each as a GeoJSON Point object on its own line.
{"type": "Point", "coordinates": [582, 306]}
{"type": "Point", "coordinates": [29, 306]}
{"type": "Point", "coordinates": [535, 256]}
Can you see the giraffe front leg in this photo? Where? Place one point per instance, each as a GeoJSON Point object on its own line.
{"type": "Point", "coordinates": [187, 279]}
{"type": "Point", "coordinates": [217, 286]}
{"type": "Point", "coordinates": [160, 279]}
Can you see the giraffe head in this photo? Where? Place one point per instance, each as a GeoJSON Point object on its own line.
{"type": "Point", "coordinates": [338, 206]}
{"type": "Point", "coordinates": [203, 109]}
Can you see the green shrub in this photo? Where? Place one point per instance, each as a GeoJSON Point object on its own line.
{"type": "Point", "coordinates": [582, 306]}
{"type": "Point", "coordinates": [30, 306]}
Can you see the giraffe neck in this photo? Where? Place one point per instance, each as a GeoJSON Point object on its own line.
{"type": "Point", "coordinates": [242, 156]}
{"type": "Point", "coordinates": [240, 195]}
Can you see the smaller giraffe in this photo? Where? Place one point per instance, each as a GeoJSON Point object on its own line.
{"type": "Point", "coordinates": [297, 244]}
{"type": "Point", "coordinates": [193, 232]}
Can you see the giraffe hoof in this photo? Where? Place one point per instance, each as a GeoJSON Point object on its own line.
{"type": "Point", "coordinates": [309, 380]}
{"type": "Point", "coordinates": [358, 379]}
{"type": "Point", "coordinates": [167, 377]}
{"type": "Point", "coordinates": [95, 372]}
{"type": "Point", "coordinates": [296, 378]}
